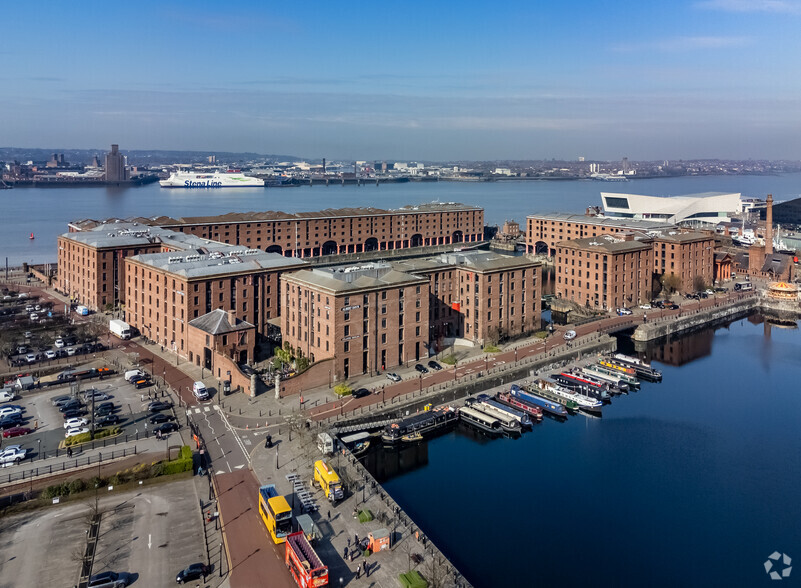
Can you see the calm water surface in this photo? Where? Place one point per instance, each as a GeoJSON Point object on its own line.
{"type": "Point", "coordinates": [694, 481]}
{"type": "Point", "coordinates": [46, 211]}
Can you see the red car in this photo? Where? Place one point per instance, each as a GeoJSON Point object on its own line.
{"type": "Point", "coordinates": [16, 432]}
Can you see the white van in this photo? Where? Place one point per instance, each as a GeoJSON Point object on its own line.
{"type": "Point", "coordinates": [132, 375]}
{"type": "Point", "coordinates": [7, 395]}
{"type": "Point", "coordinates": [199, 391]}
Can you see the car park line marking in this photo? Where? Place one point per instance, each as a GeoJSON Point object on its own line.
{"type": "Point", "coordinates": [239, 467]}
{"type": "Point", "coordinates": [219, 472]}
{"type": "Point", "coordinates": [197, 411]}
{"type": "Point", "coordinates": [149, 543]}
{"type": "Point", "coordinates": [216, 407]}
{"type": "Point", "coordinates": [206, 409]}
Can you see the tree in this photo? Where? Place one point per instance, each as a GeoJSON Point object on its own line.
{"type": "Point", "coordinates": [699, 284]}
{"type": "Point", "coordinates": [670, 283]}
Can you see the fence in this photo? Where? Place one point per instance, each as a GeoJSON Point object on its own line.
{"type": "Point", "coordinates": [69, 464]}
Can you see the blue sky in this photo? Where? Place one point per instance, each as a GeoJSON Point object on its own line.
{"type": "Point", "coordinates": [410, 80]}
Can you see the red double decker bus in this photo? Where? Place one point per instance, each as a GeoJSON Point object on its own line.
{"type": "Point", "coordinates": [304, 564]}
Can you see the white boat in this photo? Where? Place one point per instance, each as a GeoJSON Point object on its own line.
{"type": "Point", "coordinates": [210, 180]}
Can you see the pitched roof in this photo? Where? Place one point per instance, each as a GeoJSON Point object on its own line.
{"type": "Point", "coordinates": [216, 323]}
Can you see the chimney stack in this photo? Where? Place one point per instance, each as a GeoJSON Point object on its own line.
{"type": "Point", "coordinates": [769, 226]}
{"type": "Point", "coordinates": [231, 317]}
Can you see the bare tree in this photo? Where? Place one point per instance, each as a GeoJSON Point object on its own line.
{"type": "Point", "coordinates": [435, 571]}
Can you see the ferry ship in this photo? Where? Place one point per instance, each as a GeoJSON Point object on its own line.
{"type": "Point", "coordinates": [210, 180]}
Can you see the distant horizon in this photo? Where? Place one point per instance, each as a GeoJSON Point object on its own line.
{"type": "Point", "coordinates": [475, 81]}
{"type": "Point", "coordinates": [209, 152]}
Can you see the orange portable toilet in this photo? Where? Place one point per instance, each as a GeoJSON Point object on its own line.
{"type": "Point", "coordinates": [379, 539]}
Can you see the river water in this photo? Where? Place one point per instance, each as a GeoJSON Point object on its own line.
{"type": "Point", "coordinates": [46, 211]}
{"type": "Point", "coordinates": [691, 482]}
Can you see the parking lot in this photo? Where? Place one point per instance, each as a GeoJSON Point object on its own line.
{"type": "Point", "coordinates": [41, 415]}
{"type": "Point", "coordinates": [150, 534]}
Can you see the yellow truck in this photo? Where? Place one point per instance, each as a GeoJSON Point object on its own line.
{"type": "Point", "coordinates": [327, 478]}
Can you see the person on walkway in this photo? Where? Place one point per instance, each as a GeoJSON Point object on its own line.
{"type": "Point", "coordinates": [366, 570]}
{"type": "Point", "coordinates": [345, 553]}
{"type": "Point", "coordinates": [358, 571]}
{"type": "Point", "coordinates": [69, 451]}
{"type": "Point", "coordinates": [348, 541]}
{"type": "Point", "coordinates": [329, 515]}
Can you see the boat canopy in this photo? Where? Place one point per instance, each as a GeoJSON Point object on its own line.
{"type": "Point", "coordinates": [355, 438]}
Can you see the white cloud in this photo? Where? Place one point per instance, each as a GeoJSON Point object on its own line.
{"type": "Point", "coordinates": [774, 6]}
{"type": "Point", "coordinates": [677, 44]}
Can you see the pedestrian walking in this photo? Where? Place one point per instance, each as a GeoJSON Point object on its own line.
{"type": "Point", "coordinates": [358, 571]}
{"type": "Point", "coordinates": [69, 451]}
{"type": "Point", "coordinates": [366, 570]}
{"type": "Point", "coordinates": [356, 539]}
{"type": "Point", "coordinates": [348, 541]}
{"type": "Point", "coordinates": [345, 553]}
{"type": "Point", "coordinates": [329, 515]}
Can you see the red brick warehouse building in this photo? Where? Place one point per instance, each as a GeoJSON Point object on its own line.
{"type": "Point", "coordinates": [343, 230]}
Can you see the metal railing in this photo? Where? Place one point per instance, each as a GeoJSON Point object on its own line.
{"type": "Point", "coordinates": [64, 466]}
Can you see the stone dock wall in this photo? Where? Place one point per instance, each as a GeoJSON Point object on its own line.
{"type": "Point", "coordinates": [656, 328]}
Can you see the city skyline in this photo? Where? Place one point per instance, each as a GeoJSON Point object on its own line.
{"type": "Point", "coordinates": [711, 79]}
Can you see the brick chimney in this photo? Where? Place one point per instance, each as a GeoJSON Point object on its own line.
{"type": "Point", "coordinates": [232, 317]}
{"type": "Point", "coordinates": [769, 225]}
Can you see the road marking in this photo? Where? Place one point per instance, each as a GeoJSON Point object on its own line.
{"type": "Point", "coordinates": [248, 442]}
{"type": "Point", "coordinates": [239, 467]}
{"type": "Point", "coordinates": [230, 471]}
{"type": "Point", "coordinates": [217, 473]}
{"type": "Point", "coordinates": [189, 412]}
{"type": "Point", "coordinates": [148, 541]}
{"type": "Point", "coordinates": [197, 411]}
{"type": "Point", "coordinates": [216, 407]}
{"type": "Point", "coordinates": [206, 409]}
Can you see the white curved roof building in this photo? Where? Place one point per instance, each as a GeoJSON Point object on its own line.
{"type": "Point", "coordinates": [692, 209]}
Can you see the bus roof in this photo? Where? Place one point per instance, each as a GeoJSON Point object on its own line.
{"type": "Point", "coordinates": [278, 504]}
{"type": "Point", "coordinates": [355, 437]}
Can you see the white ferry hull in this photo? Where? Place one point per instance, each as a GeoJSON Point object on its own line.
{"type": "Point", "coordinates": [212, 180]}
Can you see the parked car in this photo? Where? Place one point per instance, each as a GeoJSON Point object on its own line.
{"type": "Point", "coordinates": [10, 421]}
{"type": "Point", "coordinates": [30, 358]}
{"type": "Point", "coordinates": [134, 375]}
{"type": "Point", "coordinates": [160, 417]}
{"type": "Point", "coordinates": [139, 384]}
{"type": "Point", "coordinates": [166, 428]}
{"type": "Point", "coordinates": [106, 580]}
{"type": "Point", "coordinates": [34, 316]}
{"type": "Point", "coordinates": [59, 343]}
{"type": "Point", "coordinates": [645, 306]}
{"type": "Point", "coordinates": [74, 413]}
{"type": "Point", "coordinates": [106, 420]}
{"type": "Point", "coordinates": [10, 409]}
{"type": "Point", "coordinates": [7, 395]}
{"type": "Point", "coordinates": [193, 572]}
{"type": "Point", "coordinates": [421, 368]}
{"type": "Point", "coordinates": [75, 431]}
{"type": "Point", "coordinates": [12, 455]}
{"type": "Point", "coordinates": [75, 422]}
{"type": "Point", "coordinates": [70, 405]}
{"type": "Point", "coordinates": [96, 394]}
{"type": "Point", "coordinates": [109, 405]}
{"type": "Point", "coordinates": [158, 406]}
{"type": "Point", "coordinates": [570, 335]}
{"type": "Point", "coordinates": [16, 432]}
{"type": "Point", "coordinates": [623, 311]}
{"type": "Point", "coordinates": [70, 350]}
{"type": "Point", "coordinates": [50, 354]}
{"type": "Point", "coordinates": [394, 377]}
{"type": "Point", "coordinates": [360, 393]}
{"type": "Point", "coordinates": [434, 365]}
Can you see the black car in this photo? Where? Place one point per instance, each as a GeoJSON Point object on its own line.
{"type": "Point", "coordinates": [105, 405]}
{"type": "Point", "coordinates": [421, 368]}
{"type": "Point", "coordinates": [106, 420]}
{"type": "Point", "coordinates": [434, 365]}
{"type": "Point", "coordinates": [10, 420]}
{"type": "Point", "coordinates": [158, 406]}
{"type": "Point", "coordinates": [360, 393]}
{"type": "Point", "coordinates": [73, 413]}
{"type": "Point", "coordinates": [139, 384]}
{"type": "Point", "coordinates": [160, 417]}
{"type": "Point", "coordinates": [106, 580]}
{"type": "Point", "coordinates": [71, 405]}
{"type": "Point", "coordinates": [193, 572]}
{"type": "Point", "coordinates": [165, 428]}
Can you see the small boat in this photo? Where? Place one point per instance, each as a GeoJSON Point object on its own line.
{"type": "Point", "coordinates": [360, 448]}
{"type": "Point", "coordinates": [533, 399]}
{"type": "Point", "coordinates": [480, 420]}
{"type": "Point", "coordinates": [412, 437]}
{"type": "Point", "coordinates": [534, 412]}
{"type": "Point", "coordinates": [569, 396]}
{"type": "Point", "coordinates": [358, 443]}
{"type": "Point", "coordinates": [31, 237]}
{"type": "Point", "coordinates": [632, 382]}
{"type": "Point", "coordinates": [508, 422]}
{"type": "Point", "coordinates": [519, 415]}
{"type": "Point", "coordinates": [642, 369]}
{"type": "Point", "coordinates": [423, 423]}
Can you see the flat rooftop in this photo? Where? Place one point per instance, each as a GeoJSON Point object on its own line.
{"type": "Point", "coordinates": [607, 244]}
{"type": "Point", "coordinates": [354, 278]}
{"type": "Point", "coordinates": [606, 221]}
{"type": "Point", "coordinates": [132, 234]}
{"type": "Point", "coordinates": [223, 260]}
{"type": "Point", "coordinates": [480, 261]}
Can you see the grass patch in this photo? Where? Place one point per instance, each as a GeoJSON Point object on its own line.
{"type": "Point", "coordinates": [365, 516]}
{"type": "Point", "coordinates": [541, 334]}
{"type": "Point", "coordinates": [412, 579]}
{"type": "Point", "coordinates": [449, 360]}
{"type": "Point", "coordinates": [87, 437]}
{"type": "Point", "coordinates": [492, 349]}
